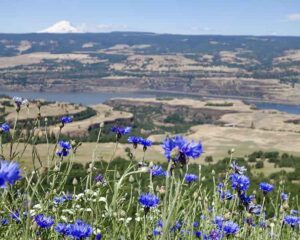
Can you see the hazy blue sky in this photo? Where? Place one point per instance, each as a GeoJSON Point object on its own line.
{"type": "Point", "coordinates": [258, 17]}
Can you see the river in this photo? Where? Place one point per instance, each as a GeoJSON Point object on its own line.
{"type": "Point", "coordinates": [94, 98]}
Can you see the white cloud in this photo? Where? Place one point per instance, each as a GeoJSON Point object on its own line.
{"type": "Point", "coordinates": [294, 17]}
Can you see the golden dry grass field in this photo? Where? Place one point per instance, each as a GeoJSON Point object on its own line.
{"type": "Point", "coordinates": [246, 131]}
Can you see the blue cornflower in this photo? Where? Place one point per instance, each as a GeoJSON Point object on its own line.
{"type": "Point", "coordinates": [293, 221]}
{"type": "Point", "coordinates": [218, 220]}
{"type": "Point", "coordinates": [238, 169]}
{"type": "Point", "coordinates": [134, 140]}
{"type": "Point", "coordinates": [157, 170]}
{"type": "Point", "coordinates": [284, 196]}
{"type": "Point", "coordinates": [190, 178]}
{"type": "Point", "coordinates": [195, 224]}
{"type": "Point", "coordinates": [60, 228]}
{"type": "Point", "coordinates": [158, 228]}
{"type": "Point", "coordinates": [20, 101]}
{"type": "Point", "coordinates": [145, 143]}
{"type": "Point", "coordinates": [44, 221]}
{"type": "Point", "coordinates": [4, 221]}
{"type": "Point", "coordinates": [179, 149]}
{"type": "Point", "coordinates": [120, 131]}
{"type": "Point", "coordinates": [156, 232]}
{"type": "Point", "coordinates": [254, 208]}
{"type": "Point", "coordinates": [214, 235]}
{"type": "Point", "coordinates": [79, 230]}
{"type": "Point", "coordinates": [62, 199]}
{"type": "Point", "coordinates": [98, 236]}
{"type": "Point", "coordinates": [9, 173]}
{"type": "Point", "coordinates": [4, 128]}
{"type": "Point", "coordinates": [159, 223]}
{"type": "Point", "coordinates": [266, 187]}
{"type": "Point", "coordinates": [239, 182]}
{"type": "Point", "coordinates": [148, 200]}
{"type": "Point", "coordinates": [66, 119]}
{"type": "Point", "coordinates": [294, 212]}
{"type": "Point", "coordinates": [198, 234]}
{"type": "Point", "coordinates": [230, 228]}
{"type": "Point", "coordinates": [65, 144]}
{"type": "Point", "coordinates": [177, 226]}
{"type": "Point", "coordinates": [65, 149]}
{"type": "Point", "coordinates": [100, 179]}
{"type": "Point", "coordinates": [58, 200]}
{"type": "Point", "coordinates": [246, 199]}
{"type": "Point", "coordinates": [220, 187]}
{"type": "Point", "coordinates": [15, 215]}
{"type": "Point", "coordinates": [226, 195]}
{"type": "Point", "coordinates": [262, 224]}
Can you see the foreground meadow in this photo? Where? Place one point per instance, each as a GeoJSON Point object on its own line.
{"type": "Point", "coordinates": [137, 199]}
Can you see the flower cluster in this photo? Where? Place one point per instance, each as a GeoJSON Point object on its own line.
{"type": "Point", "coordinates": [180, 150]}
{"type": "Point", "coordinates": [224, 194]}
{"type": "Point", "coordinates": [139, 140]}
{"type": "Point", "coordinates": [78, 230]}
{"type": "Point", "coordinates": [120, 131]}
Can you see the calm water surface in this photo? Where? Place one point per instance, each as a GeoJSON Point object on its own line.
{"type": "Point", "coordinates": [83, 98]}
{"type": "Point", "coordinates": [292, 109]}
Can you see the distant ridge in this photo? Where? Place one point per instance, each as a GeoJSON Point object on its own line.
{"type": "Point", "coordinates": [61, 27]}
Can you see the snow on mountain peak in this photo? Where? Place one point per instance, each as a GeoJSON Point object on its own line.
{"type": "Point", "coordinates": [61, 27]}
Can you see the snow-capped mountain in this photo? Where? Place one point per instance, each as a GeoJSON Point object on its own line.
{"type": "Point", "coordinates": [61, 27]}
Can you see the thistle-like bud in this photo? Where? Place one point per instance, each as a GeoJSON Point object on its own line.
{"type": "Point", "coordinates": [227, 216]}
{"type": "Point", "coordinates": [231, 151]}
{"type": "Point", "coordinates": [73, 143]}
{"type": "Point", "coordinates": [131, 179]}
{"type": "Point", "coordinates": [195, 194]}
{"type": "Point", "coordinates": [34, 226]}
{"type": "Point", "coordinates": [162, 190]}
{"type": "Point", "coordinates": [75, 181]}
{"type": "Point", "coordinates": [285, 206]}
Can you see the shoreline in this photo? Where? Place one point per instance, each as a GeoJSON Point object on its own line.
{"type": "Point", "coordinates": [247, 100]}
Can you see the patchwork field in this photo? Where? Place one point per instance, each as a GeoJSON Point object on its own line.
{"type": "Point", "coordinates": [256, 68]}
